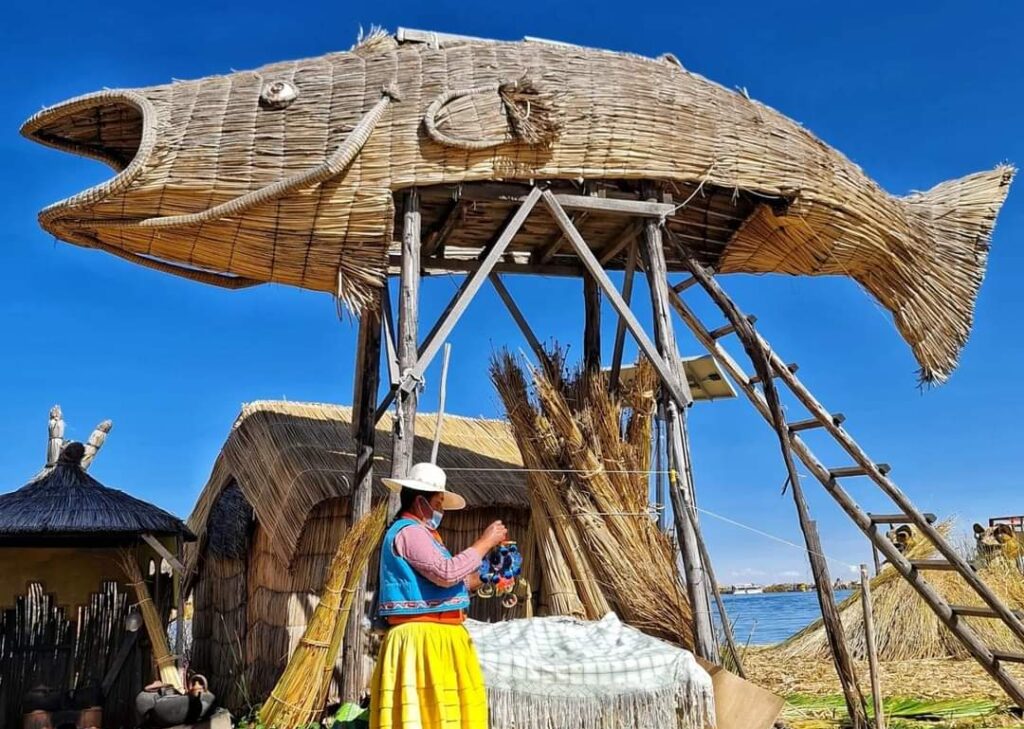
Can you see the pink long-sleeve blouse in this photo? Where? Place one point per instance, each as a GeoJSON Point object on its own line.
{"type": "Point", "coordinates": [419, 548]}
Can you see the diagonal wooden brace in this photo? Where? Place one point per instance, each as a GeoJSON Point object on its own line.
{"type": "Point", "coordinates": [679, 390]}
{"type": "Point", "coordinates": [457, 306]}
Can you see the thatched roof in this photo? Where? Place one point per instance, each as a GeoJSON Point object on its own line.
{"type": "Point", "coordinates": [225, 182]}
{"type": "Point", "coordinates": [288, 457]}
{"type": "Point", "coordinates": [65, 502]}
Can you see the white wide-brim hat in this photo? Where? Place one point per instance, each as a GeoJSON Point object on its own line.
{"type": "Point", "coordinates": [431, 479]}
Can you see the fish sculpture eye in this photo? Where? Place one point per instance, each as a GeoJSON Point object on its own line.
{"type": "Point", "coordinates": [278, 95]}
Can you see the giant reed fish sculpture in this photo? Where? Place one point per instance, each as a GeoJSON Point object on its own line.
{"type": "Point", "coordinates": [288, 173]}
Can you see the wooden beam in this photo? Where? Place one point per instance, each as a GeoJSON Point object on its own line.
{"type": "Point", "coordinates": [164, 552]}
{"type": "Point", "coordinates": [592, 265]}
{"type": "Point", "coordinates": [412, 372]}
{"type": "Point", "coordinates": [547, 251]}
{"type": "Point", "coordinates": [517, 315]}
{"type": "Point", "coordinates": [470, 286]}
{"type": "Point", "coordinates": [443, 266]}
{"type": "Point", "coordinates": [388, 323]}
{"type": "Point", "coordinates": [454, 217]}
{"type": "Point", "coordinates": [510, 192]}
{"type": "Point", "coordinates": [617, 244]}
{"type": "Point", "coordinates": [591, 325]}
{"type": "Point", "coordinates": [123, 651]}
{"type": "Point", "coordinates": [620, 328]}
{"type": "Point", "coordinates": [367, 381]}
{"type": "Point", "coordinates": [869, 636]}
{"type": "Point", "coordinates": [404, 428]}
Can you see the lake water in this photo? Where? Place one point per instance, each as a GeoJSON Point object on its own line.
{"type": "Point", "coordinates": [773, 616]}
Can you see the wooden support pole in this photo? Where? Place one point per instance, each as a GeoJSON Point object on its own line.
{"type": "Point", "coordinates": [179, 589]}
{"type": "Point", "coordinates": [164, 553]}
{"type": "Point", "coordinates": [367, 381]}
{"type": "Point", "coordinates": [877, 559]}
{"type": "Point", "coordinates": [869, 634]}
{"type": "Point", "coordinates": [439, 422]}
{"type": "Point", "coordinates": [388, 323]}
{"type": "Point", "coordinates": [408, 328]}
{"type": "Point", "coordinates": [680, 486]}
{"type": "Point", "coordinates": [591, 325]}
{"type": "Point", "coordinates": [678, 389]}
{"type": "Point", "coordinates": [620, 328]}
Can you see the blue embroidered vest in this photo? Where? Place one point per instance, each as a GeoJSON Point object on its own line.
{"type": "Point", "coordinates": [404, 592]}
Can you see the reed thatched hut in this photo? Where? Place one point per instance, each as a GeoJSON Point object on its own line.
{"type": "Point", "coordinates": [63, 597]}
{"type": "Point", "coordinates": [277, 505]}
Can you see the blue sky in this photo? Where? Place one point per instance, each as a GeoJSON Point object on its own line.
{"type": "Point", "coordinates": [915, 92]}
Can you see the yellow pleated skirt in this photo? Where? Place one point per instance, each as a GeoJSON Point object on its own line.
{"type": "Point", "coordinates": [428, 677]}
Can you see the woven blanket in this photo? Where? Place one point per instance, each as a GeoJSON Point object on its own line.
{"type": "Point", "coordinates": [572, 674]}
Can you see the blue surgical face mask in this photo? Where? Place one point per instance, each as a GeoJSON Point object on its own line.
{"type": "Point", "coordinates": [434, 520]}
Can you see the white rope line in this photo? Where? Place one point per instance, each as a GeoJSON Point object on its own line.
{"type": "Point", "coordinates": [755, 530]}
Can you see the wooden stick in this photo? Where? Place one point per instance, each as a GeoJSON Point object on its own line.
{"type": "Point", "coordinates": [408, 326]}
{"type": "Point", "coordinates": [679, 391]}
{"type": "Point", "coordinates": [367, 381]}
{"type": "Point", "coordinates": [869, 634]}
{"type": "Point", "coordinates": [620, 327]}
{"type": "Point", "coordinates": [591, 324]}
{"type": "Point", "coordinates": [517, 315]}
{"type": "Point", "coordinates": [95, 442]}
{"type": "Point", "coordinates": [819, 568]}
{"type": "Point", "coordinates": [388, 322]}
{"type": "Point", "coordinates": [440, 402]}
{"type": "Point", "coordinates": [56, 440]}
{"type": "Point", "coordinates": [164, 552]}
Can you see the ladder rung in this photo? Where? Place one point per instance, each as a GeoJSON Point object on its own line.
{"type": "Point", "coordinates": [899, 518]}
{"type": "Point", "coordinates": [1002, 655]}
{"type": "Point", "coordinates": [980, 611]}
{"type": "Point", "coordinates": [837, 420]}
{"type": "Point", "coordinates": [756, 379]}
{"type": "Point", "coordinates": [728, 328]}
{"type": "Point", "coordinates": [848, 471]}
{"type": "Point", "coordinates": [932, 564]}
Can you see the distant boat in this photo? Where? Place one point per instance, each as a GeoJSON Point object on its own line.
{"type": "Point", "coordinates": [747, 590]}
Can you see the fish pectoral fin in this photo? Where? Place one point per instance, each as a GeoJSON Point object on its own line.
{"type": "Point", "coordinates": [490, 115]}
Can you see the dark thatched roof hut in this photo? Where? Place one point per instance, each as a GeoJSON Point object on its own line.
{"type": "Point", "coordinates": [65, 503]}
{"type": "Point", "coordinates": [277, 505]}
{"type": "Point", "coordinates": [63, 597]}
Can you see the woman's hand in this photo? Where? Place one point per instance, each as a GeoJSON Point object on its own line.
{"type": "Point", "coordinates": [493, 535]}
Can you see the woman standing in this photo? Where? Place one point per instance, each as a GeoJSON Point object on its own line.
{"type": "Point", "coordinates": [427, 674]}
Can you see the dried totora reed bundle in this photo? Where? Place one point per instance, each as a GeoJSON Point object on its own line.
{"type": "Point", "coordinates": [593, 461]}
{"type": "Point", "coordinates": [300, 694]}
{"type": "Point", "coordinates": [165, 664]}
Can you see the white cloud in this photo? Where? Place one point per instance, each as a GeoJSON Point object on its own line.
{"type": "Point", "coordinates": [790, 573]}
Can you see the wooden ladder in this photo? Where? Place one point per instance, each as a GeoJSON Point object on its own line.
{"type": "Point", "coordinates": [992, 660]}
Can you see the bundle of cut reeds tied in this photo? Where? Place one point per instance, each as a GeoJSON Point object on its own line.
{"type": "Point", "coordinates": [166, 665]}
{"type": "Point", "coordinates": [589, 455]}
{"type": "Point", "coordinates": [300, 694]}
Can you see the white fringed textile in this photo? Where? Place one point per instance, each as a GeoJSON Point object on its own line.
{"type": "Point", "coordinates": [573, 674]}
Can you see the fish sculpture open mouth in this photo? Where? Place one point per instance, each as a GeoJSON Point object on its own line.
{"type": "Point", "coordinates": [288, 173]}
